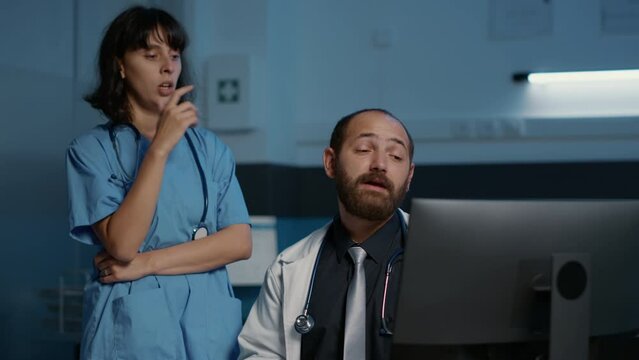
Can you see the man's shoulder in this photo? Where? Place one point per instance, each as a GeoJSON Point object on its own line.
{"type": "Point", "coordinates": [303, 247]}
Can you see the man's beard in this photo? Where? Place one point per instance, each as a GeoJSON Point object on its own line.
{"type": "Point", "coordinates": [368, 204]}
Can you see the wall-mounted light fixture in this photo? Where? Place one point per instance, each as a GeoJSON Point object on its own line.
{"type": "Point", "coordinates": [575, 76]}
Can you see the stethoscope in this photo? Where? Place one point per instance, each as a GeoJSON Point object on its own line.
{"type": "Point", "coordinates": [200, 230]}
{"type": "Point", "coordinates": [304, 323]}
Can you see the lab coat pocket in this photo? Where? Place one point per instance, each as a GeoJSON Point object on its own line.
{"type": "Point", "coordinates": [143, 326]}
{"type": "Point", "coordinates": [224, 324]}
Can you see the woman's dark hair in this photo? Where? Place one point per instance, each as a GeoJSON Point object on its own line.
{"type": "Point", "coordinates": [129, 31]}
{"type": "Point", "coordinates": [339, 131]}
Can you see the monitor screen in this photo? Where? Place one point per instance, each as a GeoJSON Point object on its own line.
{"type": "Point", "coordinates": [473, 269]}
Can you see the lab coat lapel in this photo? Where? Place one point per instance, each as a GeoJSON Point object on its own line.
{"type": "Point", "coordinates": [296, 276]}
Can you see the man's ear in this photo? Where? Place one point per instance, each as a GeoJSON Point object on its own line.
{"type": "Point", "coordinates": [329, 162]}
{"type": "Point", "coordinates": [410, 175]}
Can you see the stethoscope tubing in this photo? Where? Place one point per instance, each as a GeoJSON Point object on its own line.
{"type": "Point", "coordinates": [310, 286]}
{"type": "Point", "coordinates": [205, 188]}
{"type": "Point", "coordinates": [116, 148]}
{"type": "Point", "coordinates": [389, 268]}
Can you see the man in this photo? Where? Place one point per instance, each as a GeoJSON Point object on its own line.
{"type": "Point", "coordinates": [370, 159]}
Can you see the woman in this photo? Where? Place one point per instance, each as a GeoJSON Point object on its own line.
{"type": "Point", "coordinates": [159, 194]}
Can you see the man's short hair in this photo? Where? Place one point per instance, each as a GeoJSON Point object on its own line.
{"type": "Point", "coordinates": [337, 137]}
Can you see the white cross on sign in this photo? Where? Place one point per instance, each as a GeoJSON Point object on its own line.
{"type": "Point", "coordinates": [228, 91]}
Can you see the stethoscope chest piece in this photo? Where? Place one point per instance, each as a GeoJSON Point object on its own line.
{"type": "Point", "coordinates": [304, 324]}
{"type": "Point", "coordinates": [200, 232]}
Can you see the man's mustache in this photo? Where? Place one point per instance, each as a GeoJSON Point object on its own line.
{"type": "Point", "coordinates": [376, 178]}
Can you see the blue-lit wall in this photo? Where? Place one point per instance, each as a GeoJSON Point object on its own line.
{"type": "Point", "coordinates": [440, 71]}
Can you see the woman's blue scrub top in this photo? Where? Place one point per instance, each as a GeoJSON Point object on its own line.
{"type": "Point", "coordinates": [194, 316]}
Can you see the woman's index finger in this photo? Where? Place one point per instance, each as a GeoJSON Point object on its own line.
{"type": "Point", "coordinates": [178, 93]}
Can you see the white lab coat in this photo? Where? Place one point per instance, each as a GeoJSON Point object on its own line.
{"type": "Point", "coordinates": [269, 331]}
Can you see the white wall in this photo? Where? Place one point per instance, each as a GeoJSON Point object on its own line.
{"type": "Point", "coordinates": [451, 83]}
{"type": "Point", "coordinates": [442, 72]}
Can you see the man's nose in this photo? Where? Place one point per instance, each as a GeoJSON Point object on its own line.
{"type": "Point", "coordinates": [378, 162]}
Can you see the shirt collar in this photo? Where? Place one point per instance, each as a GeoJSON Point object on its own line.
{"type": "Point", "coordinates": [377, 245]}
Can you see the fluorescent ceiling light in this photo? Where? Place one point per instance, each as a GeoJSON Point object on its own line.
{"type": "Point", "coordinates": [576, 76]}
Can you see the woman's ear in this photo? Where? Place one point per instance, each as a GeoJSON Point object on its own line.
{"type": "Point", "coordinates": [121, 69]}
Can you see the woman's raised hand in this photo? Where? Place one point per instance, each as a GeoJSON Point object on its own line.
{"type": "Point", "coordinates": [175, 118]}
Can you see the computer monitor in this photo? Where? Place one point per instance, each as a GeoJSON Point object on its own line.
{"type": "Point", "coordinates": [512, 271]}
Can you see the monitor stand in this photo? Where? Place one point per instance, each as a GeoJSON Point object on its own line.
{"type": "Point", "coordinates": [570, 307]}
